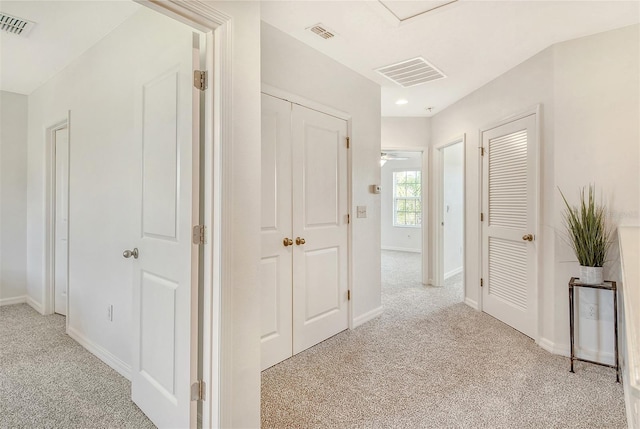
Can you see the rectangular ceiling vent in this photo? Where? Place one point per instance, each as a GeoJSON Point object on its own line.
{"type": "Point", "coordinates": [411, 72]}
{"type": "Point", "coordinates": [14, 25]}
{"type": "Point", "coordinates": [322, 31]}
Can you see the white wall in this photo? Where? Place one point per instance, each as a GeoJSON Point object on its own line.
{"type": "Point", "coordinates": [405, 133]}
{"type": "Point", "coordinates": [580, 144]}
{"type": "Point", "coordinates": [398, 237]}
{"type": "Point", "coordinates": [13, 197]}
{"type": "Point", "coordinates": [452, 207]}
{"type": "Point", "coordinates": [100, 89]}
{"type": "Point", "coordinates": [240, 342]}
{"type": "Point", "coordinates": [294, 67]}
{"type": "Point", "coordinates": [600, 146]}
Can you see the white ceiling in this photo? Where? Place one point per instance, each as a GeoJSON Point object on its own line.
{"type": "Point", "coordinates": [470, 41]}
{"type": "Point", "coordinates": [63, 31]}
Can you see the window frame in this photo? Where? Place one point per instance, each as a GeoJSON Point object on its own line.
{"type": "Point", "coordinates": [395, 198]}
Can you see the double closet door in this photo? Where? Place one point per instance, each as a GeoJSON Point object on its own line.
{"type": "Point", "coordinates": [304, 230]}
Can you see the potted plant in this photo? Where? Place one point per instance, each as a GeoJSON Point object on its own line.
{"type": "Point", "coordinates": [589, 235]}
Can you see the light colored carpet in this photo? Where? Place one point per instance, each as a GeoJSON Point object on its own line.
{"type": "Point", "coordinates": [47, 380]}
{"type": "Point", "coordinates": [430, 361]}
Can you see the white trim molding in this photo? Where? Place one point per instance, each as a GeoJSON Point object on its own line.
{"type": "Point", "coordinates": [14, 300]}
{"type": "Point", "coordinates": [471, 303]}
{"type": "Point", "coordinates": [101, 353]}
{"type": "Point", "coordinates": [35, 305]}
{"type": "Point", "coordinates": [453, 272]}
{"type": "Point", "coordinates": [401, 249]}
{"type": "Point", "coordinates": [369, 315]}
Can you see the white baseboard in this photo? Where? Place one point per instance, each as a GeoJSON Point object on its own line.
{"type": "Point", "coordinates": [15, 300]}
{"type": "Point", "coordinates": [452, 273]}
{"type": "Point", "coordinates": [565, 350]}
{"type": "Point", "coordinates": [471, 303]}
{"type": "Point", "coordinates": [35, 305]}
{"type": "Point", "coordinates": [101, 353]}
{"type": "Point", "coordinates": [364, 318]}
{"type": "Point", "coordinates": [401, 249]}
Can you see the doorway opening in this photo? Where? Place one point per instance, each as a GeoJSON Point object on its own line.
{"type": "Point", "coordinates": [402, 179]}
{"type": "Point", "coordinates": [58, 217]}
{"type": "Point", "coordinates": [449, 178]}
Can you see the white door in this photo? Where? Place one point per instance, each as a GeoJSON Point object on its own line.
{"type": "Point", "coordinates": [276, 262]}
{"type": "Point", "coordinates": [320, 209]}
{"type": "Point", "coordinates": [165, 274]}
{"type": "Point", "coordinates": [304, 274]}
{"type": "Point", "coordinates": [61, 231]}
{"type": "Point", "coordinates": [509, 228]}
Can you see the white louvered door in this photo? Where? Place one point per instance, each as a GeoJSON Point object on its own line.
{"type": "Point", "coordinates": [509, 207]}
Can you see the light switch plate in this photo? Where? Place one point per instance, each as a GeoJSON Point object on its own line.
{"type": "Point", "coordinates": [361, 211]}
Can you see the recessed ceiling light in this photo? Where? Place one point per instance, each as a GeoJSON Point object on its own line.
{"type": "Point", "coordinates": [401, 102]}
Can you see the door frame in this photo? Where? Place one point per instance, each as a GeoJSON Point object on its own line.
{"type": "Point", "coordinates": [425, 279]}
{"type": "Point", "coordinates": [536, 111]}
{"type": "Point", "coordinates": [438, 195]}
{"type": "Point", "coordinates": [310, 104]}
{"type": "Point", "coordinates": [50, 215]}
{"type": "Point", "coordinates": [217, 124]}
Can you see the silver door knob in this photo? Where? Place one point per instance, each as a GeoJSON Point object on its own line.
{"type": "Point", "coordinates": [129, 253]}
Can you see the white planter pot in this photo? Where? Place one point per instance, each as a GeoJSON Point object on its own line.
{"type": "Point", "coordinates": [591, 275]}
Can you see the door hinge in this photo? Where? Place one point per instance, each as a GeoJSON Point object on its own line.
{"type": "Point", "coordinates": [481, 282]}
{"type": "Point", "coordinates": [481, 217]}
{"type": "Point", "coordinates": [198, 391]}
{"type": "Point", "coordinates": [348, 218]}
{"type": "Point", "coordinates": [199, 234]}
{"type": "Point", "coordinates": [348, 142]}
{"type": "Point", "coordinates": [481, 151]}
{"type": "Point", "coordinates": [200, 79]}
{"type": "Point", "coordinates": [348, 295]}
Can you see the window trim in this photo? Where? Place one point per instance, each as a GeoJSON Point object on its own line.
{"type": "Point", "coordinates": [395, 198]}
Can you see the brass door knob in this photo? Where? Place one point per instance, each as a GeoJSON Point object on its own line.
{"type": "Point", "coordinates": [300, 241]}
{"type": "Point", "coordinates": [527, 237]}
{"type": "Point", "coordinates": [287, 242]}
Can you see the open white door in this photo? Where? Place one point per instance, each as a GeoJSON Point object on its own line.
{"type": "Point", "coordinates": [509, 230]}
{"type": "Point", "coordinates": [61, 228]}
{"type": "Point", "coordinates": [320, 207]}
{"type": "Point", "coordinates": [165, 272]}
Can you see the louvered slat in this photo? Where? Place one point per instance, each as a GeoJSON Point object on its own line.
{"type": "Point", "coordinates": [508, 180]}
{"type": "Point", "coordinates": [508, 271]}
{"type": "Point", "coordinates": [411, 72]}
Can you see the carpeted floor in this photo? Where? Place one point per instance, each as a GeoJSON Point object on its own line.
{"type": "Point", "coordinates": [432, 362]}
{"type": "Point", "coordinates": [47, 380]}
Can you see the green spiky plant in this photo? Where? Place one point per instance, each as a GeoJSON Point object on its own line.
{"type": "Point", "coordinates": [586, 224]}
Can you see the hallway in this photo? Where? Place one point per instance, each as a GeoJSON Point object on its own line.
{"type": "Point", "coordinates": [431, 361]}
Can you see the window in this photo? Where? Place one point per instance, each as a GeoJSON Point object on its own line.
{"type": "Point", "coordinates": [407, 202]}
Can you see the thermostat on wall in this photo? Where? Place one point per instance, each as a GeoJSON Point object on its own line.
{"type": "Point", "coordinates": [375, 189]}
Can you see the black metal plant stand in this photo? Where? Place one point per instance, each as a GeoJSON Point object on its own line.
{"type": "Point", "coordinates": [607, 285]}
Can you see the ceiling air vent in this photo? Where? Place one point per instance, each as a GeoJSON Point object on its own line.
{"type": "Point", "coordinates": [411, 72]}
{"type": "Point", "coordinates": [322, 31]}
{"type": "Point", "coordinates": [14, 25]}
